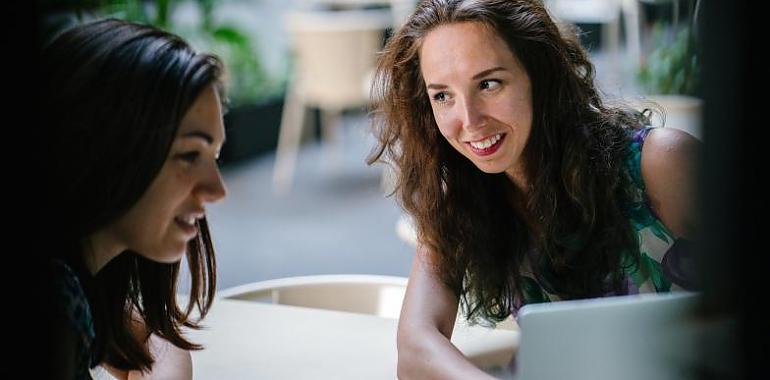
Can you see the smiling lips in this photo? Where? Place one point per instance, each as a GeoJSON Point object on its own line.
{"type": "Point", "coordinates": [488, 145]}
{"type": "Point", "coordinates": [188, 225]}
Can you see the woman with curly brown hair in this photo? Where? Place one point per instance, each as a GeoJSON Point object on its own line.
{"type": "Point", "coordinates": [524, 185]}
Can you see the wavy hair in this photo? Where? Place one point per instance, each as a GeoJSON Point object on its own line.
{"type": "Point", "coordinates": [482, 229]}
{"type": "Point", "coordinates": [114, 94]}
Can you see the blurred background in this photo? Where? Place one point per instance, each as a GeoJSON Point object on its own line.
{"type": "Point", "coordinates": [298, 79]}
{"type": "Point", "coordinates": [301, 199]}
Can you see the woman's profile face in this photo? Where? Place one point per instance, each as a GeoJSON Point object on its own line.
{"type": "Point", "coordinates": [163, 221]}
{"type": "Point", "coordinates": [480, 95]}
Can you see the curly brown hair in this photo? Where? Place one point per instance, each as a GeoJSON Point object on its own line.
{"type": "Point", "coordinates": [570, 221]}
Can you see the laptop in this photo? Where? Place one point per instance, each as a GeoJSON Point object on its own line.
{"type": "Point", "coordinates": [650, 336]}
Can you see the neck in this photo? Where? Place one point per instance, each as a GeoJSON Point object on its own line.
{"type": "Point", "coordinates": [99, 249]}
{"type": "Point", "coordinates": [519, 200]}
{"type": "Point", "coordinates": [519, 179]}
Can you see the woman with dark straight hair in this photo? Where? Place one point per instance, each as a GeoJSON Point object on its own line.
{"type": "Point", "coordinates": [133, 117]}
{"type": "Point", "coordinates": [524, 185]}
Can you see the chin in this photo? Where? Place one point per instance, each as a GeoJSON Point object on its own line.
{"type": "Point", "coordinates": [176, 257]}
{"type": "Point", "coordinates": [490, 169]}
{"type": "Point", "coordinates": [169, 256]}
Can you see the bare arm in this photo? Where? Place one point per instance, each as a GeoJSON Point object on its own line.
{"type": "Point", "coordinates": [669, 168]}
{"type": "Point", "coordinates": [425, 329]}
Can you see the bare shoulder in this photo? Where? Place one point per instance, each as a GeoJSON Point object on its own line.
{"type": "Point", "coordinates": [670, 140]}
{"type": "Point", "coordinates": [669, 166]}
{"type": "Point", "coordinates": [668, 152]}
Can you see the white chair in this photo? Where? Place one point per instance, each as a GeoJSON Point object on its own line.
{"type": "Point", "coordinates": [604, 12]}
{"type": "Point", "coordinates": [334, 53]}
{"type": "Point", "coordinates": [364, 294]}
{"type": "Point", "coordinates": [607, 14]}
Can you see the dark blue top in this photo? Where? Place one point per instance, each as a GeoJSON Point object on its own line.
{"type": "Point", "coordinates": [73, 308]}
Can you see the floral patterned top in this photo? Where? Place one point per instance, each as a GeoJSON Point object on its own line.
{"type": "Point", "coordinates": [73, 308]}
{"type": "Point", "coordinates": [663, 263]}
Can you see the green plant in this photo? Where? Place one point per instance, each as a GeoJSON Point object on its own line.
{"type": "Point", "coordinates": [247, 81]}
{"type": "Point", "coordinates": [672, 67]}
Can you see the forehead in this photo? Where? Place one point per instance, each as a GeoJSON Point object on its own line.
{"type": "Point", "coordinates": [457, 48]}
{"type": "Point", "coordinates": [204, 115]}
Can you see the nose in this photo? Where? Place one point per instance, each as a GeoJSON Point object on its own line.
{"type": "Point", "coordinates": [471, 116]}
{"type": "Point", "coordinates": [212, 187]}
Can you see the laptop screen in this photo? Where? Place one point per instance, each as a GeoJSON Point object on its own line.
{"type": "Point", "coordinates": [649, 336]}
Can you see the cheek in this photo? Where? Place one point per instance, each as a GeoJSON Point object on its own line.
{"type": "Point", "coordinates": [168, 191]}
{"type": "Point", "coordinates": [448, 125]}
{"type": "Point", "coordinates": [508, 111]}
{"type": "Point", "coordinates": [522, 111]}
{"type": "Point", "coordinates": [517, 117]}
{"type": "Point", "coordinates": [153, 211]}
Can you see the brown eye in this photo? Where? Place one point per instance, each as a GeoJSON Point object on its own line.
{"type": "Point", "coordinates": [489, 84]}
{"type": "Point", "coordinates": [439, 97]}
{"type": "Point", "coordinates": [190, 157]}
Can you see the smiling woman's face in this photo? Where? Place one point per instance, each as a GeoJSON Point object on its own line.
{"type": "Point", "coordinates": [164, 220]}
{"type": "Point", "coordinates": [480, 95]}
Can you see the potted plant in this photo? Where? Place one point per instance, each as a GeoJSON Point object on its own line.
{"type": "Point", "coordinates": [669, 74]}
{"type": "Point", "coordinates": [672, 67]}
{"type": "Point", "coordinates": [255, 99]}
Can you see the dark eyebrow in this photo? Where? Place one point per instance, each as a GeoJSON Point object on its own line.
{"type": "Point", "coordinates": [436, 86]}
{"type": "Point", "coordinates": [480, 75]}
{"type": "Point", "coordinates": [199, 134]}
{"type": "Point", "coordinates": [488, 71]}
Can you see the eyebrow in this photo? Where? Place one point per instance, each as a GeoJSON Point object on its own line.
{"type": "Point", "coordinates": [488, 71]}
{"type": "Point", "coordinates": [434, 86]}
{"type": "Point", "coordinates": [202, 135]}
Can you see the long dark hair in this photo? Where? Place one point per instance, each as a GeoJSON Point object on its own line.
{"type": "Point", "coordinates": [569, 224]}
{"type": "Point", "coordinates": [114, 94]}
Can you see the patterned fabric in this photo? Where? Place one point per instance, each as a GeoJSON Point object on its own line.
{"type": "Point", "coordinates": [663, 261]}
{"type": "Point", "coordinates": [72, 306]}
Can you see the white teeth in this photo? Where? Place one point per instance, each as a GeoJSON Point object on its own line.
{"type": "Point", "coordinates": [187, 220]}
{"type": "Point", "coordinates": [486, 143]}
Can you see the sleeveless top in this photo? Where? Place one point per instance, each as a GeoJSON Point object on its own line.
{"type": "Point", "coordinates": [664, 261]}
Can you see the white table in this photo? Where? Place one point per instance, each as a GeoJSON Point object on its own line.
{"type": "Point", "coordinates": [250, 340]}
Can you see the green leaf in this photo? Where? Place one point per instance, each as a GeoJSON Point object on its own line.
{"type": "Point", "coordinates": [672, 67]}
